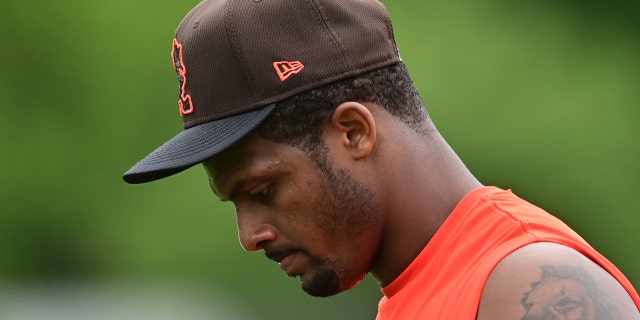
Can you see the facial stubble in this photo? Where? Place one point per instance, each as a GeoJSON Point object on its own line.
{"type": "Point", "coordinates": [348, 208]}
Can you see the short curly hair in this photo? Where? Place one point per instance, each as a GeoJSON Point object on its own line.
{"type": "Point", "coordinates": [299, 120]}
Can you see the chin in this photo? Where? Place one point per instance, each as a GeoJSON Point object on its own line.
{"type": "Point", "coordinates": [320, 293]}
{"type": "Point", "coordinates": [326, 283]}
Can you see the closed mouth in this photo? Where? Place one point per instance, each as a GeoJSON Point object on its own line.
{"type": "Point", "coordinates": [278, 255]}
{"type": "Point", "coordinates": [284, 258]}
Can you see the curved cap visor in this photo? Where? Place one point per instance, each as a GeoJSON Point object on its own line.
{"type": "Point", "coordinates": [195, 145]}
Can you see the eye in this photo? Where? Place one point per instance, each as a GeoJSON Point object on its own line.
{"type": "Point", "coordinates": [260, 193]}
{"type": "Point", "coordinates": [565, 304]}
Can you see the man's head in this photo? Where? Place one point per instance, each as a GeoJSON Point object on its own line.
{"type": "Point", "coordinates": [282, 101]}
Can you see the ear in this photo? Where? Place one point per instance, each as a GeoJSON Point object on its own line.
{"type": "Point", "coordinates": [356, 128]}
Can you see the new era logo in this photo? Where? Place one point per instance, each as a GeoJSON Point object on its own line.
{"type": "Point", "coordinates": [286, 69]}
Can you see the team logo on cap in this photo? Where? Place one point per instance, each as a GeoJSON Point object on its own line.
{"type": "Point", "coordinates": [185, 103]}
{"type": "Point", "coordinates": [286, 69]}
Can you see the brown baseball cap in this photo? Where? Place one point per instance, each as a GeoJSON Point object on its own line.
{"type": "Point", "coordinates": [235, 60]}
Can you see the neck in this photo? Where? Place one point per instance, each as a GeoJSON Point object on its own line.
{"type": "Point", "coordinates": [426, 189]}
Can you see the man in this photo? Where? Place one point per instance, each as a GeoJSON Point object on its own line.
{"type": "Point", "coordinates": [306, 119]}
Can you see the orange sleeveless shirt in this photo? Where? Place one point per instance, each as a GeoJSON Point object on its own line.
{"type": "Point", "coordinates": [446, 279]}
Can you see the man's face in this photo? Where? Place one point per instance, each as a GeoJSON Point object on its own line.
{"type": "Point", "coordinates": [559, 299]}
{"type": "Point", "coordinates": [322, 225]}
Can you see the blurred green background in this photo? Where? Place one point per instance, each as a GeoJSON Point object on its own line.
{"type": "Point", "coordinates": [538, 96]}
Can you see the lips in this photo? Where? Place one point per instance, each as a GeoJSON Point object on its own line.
{"type": "Point", "coordinates": [285, 264]}
{"type": "Point", "coordinates": [285, 258]}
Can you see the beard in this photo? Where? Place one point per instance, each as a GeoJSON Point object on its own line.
{"type": "Point", "coordinates": [324, 282]}
{"type": "Point", "coordinates": [348, 208]}
{"type": "Point", "coordinates": [326, 279]}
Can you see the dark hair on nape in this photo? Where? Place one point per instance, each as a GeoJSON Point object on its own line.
{"type": "Point", "coordinates": [300, 120]}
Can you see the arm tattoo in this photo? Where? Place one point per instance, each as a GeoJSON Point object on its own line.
{"type": "Point", "coordinates": [567, 293]}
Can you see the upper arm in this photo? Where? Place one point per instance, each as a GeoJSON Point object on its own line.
{"type": "Point", "coordinates": [545, 280]}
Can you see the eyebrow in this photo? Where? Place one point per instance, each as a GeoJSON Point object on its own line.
{"type": "Point", "coordinates": [220, 198]}
{"type": "Point", "coordinates": [236, 187]}
{"type": "Point", "coordinates": [213, 189]}
{"type": "Point", "coordinates": [226, 171]}
{"type": "Point", "coordinates": [234, 190]}
{"type": "Point", "coordinates": [245, 173]}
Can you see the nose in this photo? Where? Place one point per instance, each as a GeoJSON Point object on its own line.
{"type": "Point", "coordinates": [254, 232]}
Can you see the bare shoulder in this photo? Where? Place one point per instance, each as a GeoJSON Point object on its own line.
{"type": "Point", "coordinates": [551, 281]}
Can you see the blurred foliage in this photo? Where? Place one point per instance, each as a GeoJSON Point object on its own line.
{"type": "Point", "coordinates": [538, 96]}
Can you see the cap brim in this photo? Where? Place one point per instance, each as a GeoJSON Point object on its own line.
{"type": "Point", "coordinates": [195, 145]}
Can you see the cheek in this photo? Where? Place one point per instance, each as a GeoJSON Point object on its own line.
{"type": "Point", "coordinates": [300, 207]}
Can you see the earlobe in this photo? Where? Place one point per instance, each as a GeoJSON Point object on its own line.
{"type": "Point", "coordinates": [357, 128]}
